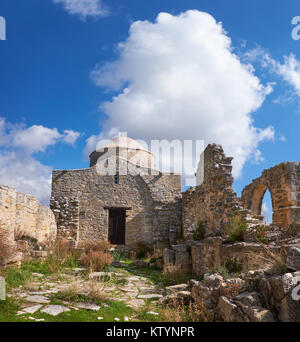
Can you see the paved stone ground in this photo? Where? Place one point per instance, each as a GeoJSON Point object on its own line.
{"type": "Point", "coordinates": [132, 289]}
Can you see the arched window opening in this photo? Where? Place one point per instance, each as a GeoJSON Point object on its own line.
{"type": "Point", "coordinates": [267, 208]}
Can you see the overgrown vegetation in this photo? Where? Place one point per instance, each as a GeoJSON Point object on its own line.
{"type": "Point", "coordinates": [233, 266]}
{"type": "Point", "coordinates": [272, 259]}
{"type": "Point", "coordinates": [199, 232]}
{"type": "Point", "coordinates": [142, 249]}
{"type": "Point", "coordinates": [97, 257]}
{"type": "Point", "coordinates": [178, 311]}
{"type": "Point", "coordinates": [16, 277]}
{"type": "Point", "coordinates": [261, 234]}
{"type": "Point", "coordinates": [294, 229]}
{"type": "Point", "coordinates": [236, 229]}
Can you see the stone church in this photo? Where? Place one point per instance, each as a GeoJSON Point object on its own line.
{"type": "Point", "coordinates": [131, 201]}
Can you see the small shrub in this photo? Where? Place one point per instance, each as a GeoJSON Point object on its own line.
{"type": "Point", "coordinates": [117, 255]}
{"type": "Point", "coordinates": [293, 229]}
{"type": "Point", "coordinates": [261, 234]}
{"type": "Point", "coordinates": [91, 245]}
{"type": "Point", "coordinates": [233, 266]}
{"type": "Point", "coordinates": [132, 255]}
{"type": "Point", "coordinates": [236, 229]}
{"type": "Point", "coordinates": [96, 261]}
{"type": "Point", "coordinates": [199, 232]}
{"type": "Point", "coordinates": [142, 249]}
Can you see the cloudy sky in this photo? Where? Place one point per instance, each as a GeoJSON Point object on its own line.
{"type": "Point", "coordinates": [74, 71]}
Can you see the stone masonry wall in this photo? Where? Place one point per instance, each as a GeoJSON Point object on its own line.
{"type": "Point", "coordinates": [79, 199]}
{"type": "Point", "coordinates": [25, 214]}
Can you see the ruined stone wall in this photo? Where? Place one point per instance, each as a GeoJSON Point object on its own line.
{"type": "Point", "coordinates": [79, 199]}
{"type": "Point", "coordinates": [24, 213]}
{"type": "Point", "coordinates": [188, 213]}
{"type": "Point", "coordinates": [213, 202]}
{"type": "Point", "coordinates": [283, 182]}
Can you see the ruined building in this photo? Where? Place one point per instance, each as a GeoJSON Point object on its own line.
{"type": "Point", "coordinates": [139, 203]}
{"type": "Point", "coordinates": [134, 203]}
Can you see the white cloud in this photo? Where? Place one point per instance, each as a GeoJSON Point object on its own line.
{"type": "Point", "coordinates": [24, 173]}
{"type": "Point", "coordinates": [282, 138]}
{"type": "Point", "coordinates": [177, 78]}
{"type": "Point", "coordinates": [18, 168]}
{"type": "Point", "coordinates": [289, 71]}
{"type": "Point", "coordinates": [70, 137]}
{"type": "Point", "coordinates": [35, 138]}
{"type": "Point", "coordinates": [84, 8]}
{"type": "Point", "coordinates": [265, 212]}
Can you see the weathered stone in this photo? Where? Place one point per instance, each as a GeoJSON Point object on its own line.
{"type": "Point", "coordinates": [87, 306]}
{"type": "Point", "coordinates": [32, 309]}
{"type": "Point", "coordinates": [280, 180]}
{"type": "Point", "coordinates": [289, 306]}
{"type": "Point", "coordinates": [81, 199]}
{"type": "Point", "coordinates": [293, 259]}
{"type": "Point", "coordinates": [14, 259]}
{"type": "Point", "coordinates": [38, 299]}
{"type": "Point", "coordinates": [259, 314]}
{"type": "Point", "coordinates": [150, 296]}
{"type": "Point", "coordinates": [176, 288]}
{"type": "Point", "coordinates": [225, 309]}
{"type": "Point", "coordinates": [98, 276]}
{"type": "Point", "coordinates": [248, 299]}
{"type": "Point", "coordinates": [39, 254]}
{"type": "Point", "coordinates": [20, 212]}
{"type": "Point", "coordinates": [55, 310]}
{"type": "Point", "coordinates": [213, 280]}
{"type": "Point", "coordinates": [2, 289]}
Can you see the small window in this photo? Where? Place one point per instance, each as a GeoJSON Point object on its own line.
{"type": "Point", "coordinates": [116, 179]}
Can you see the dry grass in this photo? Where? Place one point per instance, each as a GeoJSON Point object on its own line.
{"type": "Point", "coordinates": [7, 247]}
{"type": "Point", "coordinates": [176, 311]}
{"type": "Point", "coordinates": [273, 260]}
{"type": "Point", "coordinates": [92, 292]}
{"type": "Point", "coordinates": [97, 256]}
{"type": "Point", "coordinates": [91, 245]}
{"type": "Point", "coordinates": [96, 261]}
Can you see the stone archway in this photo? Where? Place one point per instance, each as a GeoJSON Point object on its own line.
{"type": "Point", "coordinates": [256, 200]}
{"type": "Point", "coordinates": [283, 182]}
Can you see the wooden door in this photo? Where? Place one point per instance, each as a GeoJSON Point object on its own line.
{"type": "Point", "coordinates": [116, 231]}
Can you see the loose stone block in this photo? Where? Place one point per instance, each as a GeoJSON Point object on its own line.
{"type": "Point", "coordinates": [2, 289]}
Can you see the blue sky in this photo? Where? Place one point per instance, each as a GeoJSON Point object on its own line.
{"type": "Point", "coordinates": [51, 51]}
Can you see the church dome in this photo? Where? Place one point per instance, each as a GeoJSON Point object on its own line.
{"type": "Point", "coordinates": [124, 148]}
{"type": "Point", "coordinates": [124, 142]}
